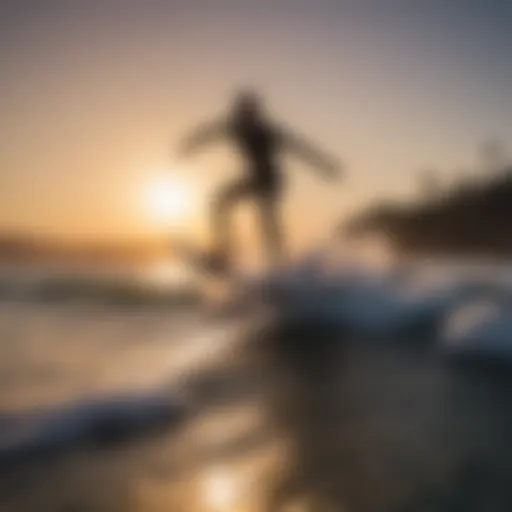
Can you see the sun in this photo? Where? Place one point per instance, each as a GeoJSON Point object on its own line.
{"type": "Point", "coordinates": [170, 200]}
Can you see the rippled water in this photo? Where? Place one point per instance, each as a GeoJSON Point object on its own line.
{"type": "Point", "coordinates": [158, 406]}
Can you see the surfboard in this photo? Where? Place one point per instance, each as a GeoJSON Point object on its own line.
{"type": "Point", "coordinates": [228, 292]}
{"type": "Point", "coordinates": [203, 261]}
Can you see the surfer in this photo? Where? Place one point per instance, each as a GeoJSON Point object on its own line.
{"type": "Point", "coordinates": [260, 143]}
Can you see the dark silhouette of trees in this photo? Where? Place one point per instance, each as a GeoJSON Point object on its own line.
{"type": "Point", "coordinates": [472, 217]}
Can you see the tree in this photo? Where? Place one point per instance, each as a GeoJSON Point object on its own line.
{"type": "Point", "coordinates": [430, 184]}
{"type": "Point", "coordinates": [494, 156]}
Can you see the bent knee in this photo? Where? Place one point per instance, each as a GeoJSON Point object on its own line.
{"type": "Point", "coordinates": [223, 201]}
{"type": "Point", "coordinates": [230, 195]}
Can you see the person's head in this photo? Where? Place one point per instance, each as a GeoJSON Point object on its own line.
{"type": "Point", "coordinates": [247, 105]}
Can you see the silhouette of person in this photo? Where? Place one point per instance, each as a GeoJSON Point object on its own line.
{"type": "Point", "coordinates": [261, 144]}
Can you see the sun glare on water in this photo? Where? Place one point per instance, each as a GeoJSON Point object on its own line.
{"type": "Point", "coordinates": [221, 490]}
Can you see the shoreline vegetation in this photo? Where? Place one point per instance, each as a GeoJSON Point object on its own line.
{"type": "Point", "coordinates": [471, 217]}
{"type": "Point", "coordinates": [26, 248]}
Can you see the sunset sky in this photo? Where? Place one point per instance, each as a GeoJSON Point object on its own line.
{"type": "Point", "coordinates": [94, 93]}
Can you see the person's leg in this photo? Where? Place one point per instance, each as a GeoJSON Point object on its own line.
{"type": "Point", "coordinates": [221, 213]}
{"type": "Point", "coordinates": [272, 229]}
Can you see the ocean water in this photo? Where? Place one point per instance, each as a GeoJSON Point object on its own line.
{"type": "Point", "coordinates": [332, 389]}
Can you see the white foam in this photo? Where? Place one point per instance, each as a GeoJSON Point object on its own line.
{"type": "Point", "coordinates": [46, 431]}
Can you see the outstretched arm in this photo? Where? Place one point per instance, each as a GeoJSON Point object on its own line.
{"type": "Point", "coordinates": [312, 155]}
{"type": "Point", "coordinates": [201, 136]}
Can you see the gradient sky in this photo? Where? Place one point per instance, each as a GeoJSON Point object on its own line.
{"type": "Point", "coordinates": [92, 93]}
